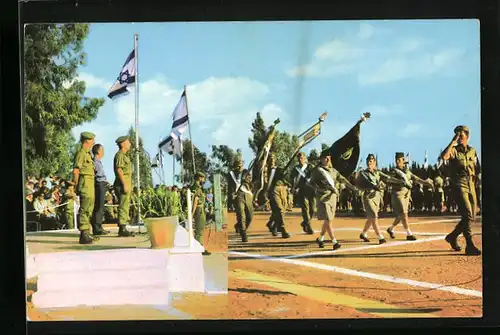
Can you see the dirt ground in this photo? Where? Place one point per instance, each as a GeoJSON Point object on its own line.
{"type": "Point", "coordinates": [272, 277]}
{"type": "Point", "coordinates": [183, 305]}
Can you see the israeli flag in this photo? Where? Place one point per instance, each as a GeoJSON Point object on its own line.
{"type": "Point", "coordinates": [173, 142]}
{"type": "Point", "coordinates": [426, 161]}
{"type": "Point", "coordinates": [125, 80]}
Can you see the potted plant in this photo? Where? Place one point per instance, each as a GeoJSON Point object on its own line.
{"type": "Point", "coordinates": [162, 213]}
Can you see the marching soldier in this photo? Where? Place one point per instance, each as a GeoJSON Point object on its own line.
{"type": "Point", "coordinates": [123, 184]}
{"type": "Point", "coordinates": [323, 179]}
{"type": "Point", "coordinates": [462, 158]}
{"type": "Point", "coordinates": [278, 199]}
{"type": "Point", "coordinates": [83, 178]}
{"type": "Point", "coordinates": [240, 189]}
{"type": "Point", "coordinates": [400, 197]}
{"type": "Point", "coordinates": [439, 192]}
{"type": "Point", "coordinates": [198, 209]}
{"type": "Point", "coordinates": [304, 194]}
{"type": "Point", "coordinates": [370, 181]}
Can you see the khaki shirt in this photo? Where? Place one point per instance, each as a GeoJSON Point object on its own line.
{"type": "Point", "coordinates": [122, 161]}
{"type": "Point", "coordinates": [198, 193]}
{"type": "Point", "coordinates": [438, 183]}
{"type": "Point", "coordinates": [462, 164]}
{"type": "Point", "coordinates": [84, 163]}
{"type": "Point", "coordinates": [322, 187]}
{"type": "Point", "coordinates": [409, 176]}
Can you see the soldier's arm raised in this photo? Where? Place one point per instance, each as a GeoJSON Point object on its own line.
{"type": "Point", "coordinates": [449, 151]}
{"type": "Point", "coordinates": [390, 179]}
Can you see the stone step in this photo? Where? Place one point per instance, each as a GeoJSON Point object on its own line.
{"type": "Point", "coordinates": [102, 279]}
{"type": "Point", "coordinates": [104, 297]}
{"type": "Point", "coordinates": [117, 259]}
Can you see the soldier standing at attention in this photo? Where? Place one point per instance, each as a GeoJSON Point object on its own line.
{"type": "Point", "coordinates": [83, 178]}
{"type": "Point", "coordinates": [323, 179]}
{"type": "Point", "coordinates": [400, 197]}
{"type": "Point", "coordinates": [304, 194]}
{"type": "Point", "coordinates": [462, 158]}
{"type": "Point", "coordinates": [123, 184]}
{"type": "Point", "coordinates": [198, 209]}
{"type": "Point", "coordinates": [370, 181]}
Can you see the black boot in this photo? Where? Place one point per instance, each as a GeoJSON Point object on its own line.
{"type": "Point", "coordinates": [284, 233]}
{"type": "Point", "coordinates": [275, 230]}
{"type": "Point", "coordinates": [321, 244]}
{"type": "Point", "coordinates": [304, 226]}
{"type": "Point", "coordinates": [364, 238]}
{"type": "Point", "coordinates": [471, 249]}
{"type": "Point", "coordinates": [244, 237]}
{"type": "Point", "coordinates": [123, 232]}
{"type": "Point", "coordinates": [85, 237]}
{"type": "Point", "coordinates": [336, 246]}
{"type": "Point", "coordinates": [309, 229]}
{"type": "Point", "coordinates": [270, 225]}
{"type": "Point", "coordinates": [453, 242]}
{"type": "Point", "coordinates": [391, 233]}
{"type": "Point", "coordinates": [236, 228]}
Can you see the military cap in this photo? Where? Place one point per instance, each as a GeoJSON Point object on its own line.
{"type": "Point", "coordinates": [28, 191]}
{"type": "Point", "coordinates": [462, 128]}
{"type": "Point", "coordinates": [370, 156]}
{"type": "Point", "coordinates": [121, 139]}
{"type": "Point", "coordinates": [400, 155]}
{"type": "Point", "coordinates": [199, 174]}
{"type": "Point", "coordinates": [324, 153]}
{"type": "Point", "coordinates": [87, 135]}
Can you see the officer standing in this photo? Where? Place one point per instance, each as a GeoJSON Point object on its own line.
{"type": "Point", "coordinates": [198, 210]}
{"type": "Point", "coordinates": [123, 184]}
{"type": "Point", "coordinates": [83, 178]}
{"type": "Point", "coordinates": [304, 194]}
{"type": "Point", "coordinates": [462, 158]}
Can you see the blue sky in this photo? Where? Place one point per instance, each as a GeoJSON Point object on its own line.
{"type": "Point", "coordinates": [419, 79]}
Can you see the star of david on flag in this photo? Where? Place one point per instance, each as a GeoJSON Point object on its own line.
{"type": "Point", "coordinates": [125, 80]}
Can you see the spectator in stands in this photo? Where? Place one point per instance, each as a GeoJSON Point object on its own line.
{"type": "Point", "coordinates": [46, 214]}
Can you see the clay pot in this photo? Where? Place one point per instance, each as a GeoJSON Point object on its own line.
{"type": "Point", "coordinates": [161, 231]}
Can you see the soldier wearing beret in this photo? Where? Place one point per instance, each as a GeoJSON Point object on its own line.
{"type": "Point", "coordinates": [370, 182]}
{"type": "Point", "coordinates": [304, 193]}
{"type": "Point", "coordinates": [198, 209]}
{"type": "Point", "coordinates": [122, 167]}
{"type": "Point", "coordinates": [400, 197]}
{"type": "Point", "coordinates": [83, 178]}
{"type": "Point", "coordinates": [462, 159]}
{"type": "Point", "coordinates": [323, 179]}
{"type": "Point", "coordinates": [240, 186]}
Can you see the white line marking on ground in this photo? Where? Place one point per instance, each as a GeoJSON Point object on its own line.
{"type": "Point", "coordinates": [216, 292]}
{"type": "Point", "coordinates": [371, 246]}
{"type": "Point", "coordinates": [331, 268]}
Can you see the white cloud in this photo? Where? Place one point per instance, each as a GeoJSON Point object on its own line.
{"type": "Point", "coordinates": [405, 58]}
{"type": "Point", "coordinates": [409, 130]}
{"type": "Point", "coordinates": [91, 81]}
{"type": "Point", "coordinates": [377, 110]}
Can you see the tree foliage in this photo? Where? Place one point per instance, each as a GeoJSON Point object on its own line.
{"type": "Point", "coordinates": [223, 158]}
{"type": "Point", "coordinates": [54, 100]}
{"type": "Point", "coordinates": [145, 172]}
{"type": "Point", "coordinates": [201, 159]}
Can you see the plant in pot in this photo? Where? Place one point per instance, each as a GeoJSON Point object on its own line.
{"type": "Point", "coordinates": [162, 212]}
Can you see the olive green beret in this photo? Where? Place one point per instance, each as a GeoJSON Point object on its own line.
{"type": "Point", "coordinates": [399, 155]}
{"type": "Point", "coordinates": [199, 174]}
{"type": "Point", "coordinates": [325, 153]}
{"type": "Point", "coordinates": [28, 191]}
{"type": "Point", "coordinates": [121, 139]}
{"type": "Point", "coordinates": [370, 156]}
{"type": "Point", "coordinates": [460, 128]}
{"type": "Point", "coordinates": [86, 135]}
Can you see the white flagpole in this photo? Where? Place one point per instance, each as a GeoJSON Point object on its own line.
{"type": "Point", "coordinates": [138, 181]}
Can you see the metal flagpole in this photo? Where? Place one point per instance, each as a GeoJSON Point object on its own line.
{"type": "Point", "coordinates": [190, 136]}
{"type": "Point", "coordinates": [138, 181]}
{"type": "Point", "coordinates": [173, 169]}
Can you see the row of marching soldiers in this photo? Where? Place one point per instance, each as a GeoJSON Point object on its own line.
{"type": "Point", "coordinates": [317, 192]}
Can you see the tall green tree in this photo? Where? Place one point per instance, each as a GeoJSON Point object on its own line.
{"type": "Point", "coordinates": [313, 157]}
{"type": "Point", "coordinates": [54, 100]}
{"type": "Point", "coordinates": [223, 158]}
{"type": "Point", "coordinates": [201, 159]}
{"type": "Point", "coordinates": [145, 172]}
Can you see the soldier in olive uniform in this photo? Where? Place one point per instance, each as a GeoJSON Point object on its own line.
{"type": "Point", "coordinates": [400, 197]}
{"type": "Point", "coordinates": [240, 182]}
{"type": "Point", "coordinates": [304, 194]}
{"type": "Point", "coordinates": [69, 209]}
{"type": "Point", "coordinates": [370, 181]}
{"type": "Point", "coordinates": [198, 209]}
{"type": "Point", "coordinates": [123, 184]}
{"type": "Point", "coordinates": [278, 198]}
{"type": "Point", "coordinates": [323, 180]}
{"type": "Point", "coordinates": [462, 158]}
{"type": "Point", "coordinates": [83, 177]}
{"type": "Point", "coordinates": [439, 192]}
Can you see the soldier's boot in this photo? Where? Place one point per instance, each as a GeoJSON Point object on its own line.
{"type": "Point", "coordinates": [411, 238]}
{"type": "Point", "coordinates": [337, 246]}
{"type": "Point", "coordinates": [123, 232]}
{"type": "Point", "coordinates": [364, 238]}
{"type": "Point", "coordinates": [452, 240]}
{"type": "Point", "coordinates": [321, 244]}
{"type": "Point", "coordinates": [270, 225]}
{"type": "Point", "coordinates": [304, 226]}
{"type": "Point", "coordinates": [236, 228]}
{"type": "Point", "coordinates": [471, 249]}
{"type": "Point", "coordinates": [391, 233]}
{"type": "Point", "coordinates": [85, 237]}
{"type": "Point", "coordinates": [244, 236]}
{"type": "Point", "coordinates": [284, 233]}
{"type": "Point", "coordinates": [274, 230]}
{"type": "Point", "coordinates": [309, 229]}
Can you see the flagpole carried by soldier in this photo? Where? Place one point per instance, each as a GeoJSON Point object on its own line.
{"type": "Point", "coordinates": [463, 159]}
{"type": "Point", "coordinates": [198, 209]}
{"type": "Point", "coordinates": [122, 166]}
{"type": "Point", "coordinates": [323, 180]}
{"type": "Point", "coordinates": [400, 197]}
{"type": "Point", "coordinates": [304, 194]}
{"type": "Point", "coordinates": [83, 178]}
{"type": "Point", "coordinates": [370, 182]}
